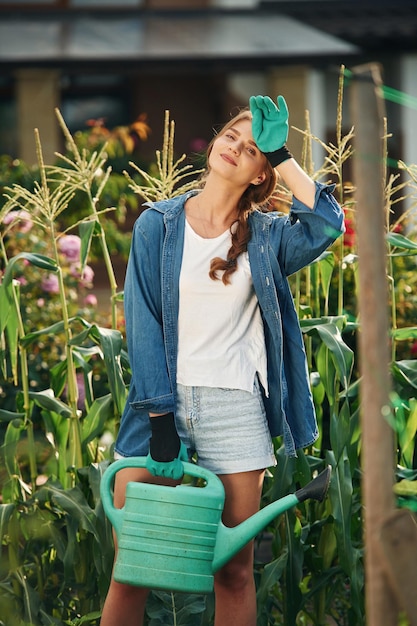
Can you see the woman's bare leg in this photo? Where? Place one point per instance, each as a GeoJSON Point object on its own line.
{"type": "Point", "coordinates": [234, 585]}
{"type": "Point", "coordinates": [125, 604]}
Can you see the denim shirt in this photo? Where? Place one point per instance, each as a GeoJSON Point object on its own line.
{"type": "Point", "coordinates": [279, 246]}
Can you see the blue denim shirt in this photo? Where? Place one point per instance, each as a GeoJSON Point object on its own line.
{"type": "Point", "coordinates": [279, 246]}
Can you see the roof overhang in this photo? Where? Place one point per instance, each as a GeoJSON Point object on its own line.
{"type": "Point", "coordinates": [174, 37]}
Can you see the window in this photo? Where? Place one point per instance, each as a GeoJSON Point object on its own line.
{"type": "Point", "coordinates": [92, 97]}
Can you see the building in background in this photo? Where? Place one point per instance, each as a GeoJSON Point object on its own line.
{"type": "Point", "coordinates": [116, 59]}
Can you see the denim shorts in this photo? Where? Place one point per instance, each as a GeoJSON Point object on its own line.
{"type": "Point", "coordinates": [226, 429]}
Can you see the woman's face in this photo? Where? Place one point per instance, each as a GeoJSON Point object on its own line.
{"type": "Point", "coordinates": [236, 157]}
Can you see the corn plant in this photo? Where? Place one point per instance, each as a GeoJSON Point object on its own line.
{"type": "Point", "coordinates": [57, 547]}
{"type": "Point", "coordinates": [306, 595]}
{"type": "Point", "coordinates": [169, 180]}
{"type": "Point", "coordinates": [51, 521]}
{"type": "Point", "coordinates": [318, 569]}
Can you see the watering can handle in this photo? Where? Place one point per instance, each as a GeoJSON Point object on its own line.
{"type": "Point", "coordinates": [114, 514]}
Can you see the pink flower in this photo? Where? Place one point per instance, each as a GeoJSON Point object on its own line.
{"type": "Point", "coordinates": [70, 247]}
{"type": "Point", "coordinates": [87, 276]}
{"type": "Point", "coordinates": [20, 217]}
{"type": "Point", "coordinates": [90, 300]}
{"type": "Point", "coordinates": [198, 144]}
{"type": "Point", "coordinates": [50, 284]}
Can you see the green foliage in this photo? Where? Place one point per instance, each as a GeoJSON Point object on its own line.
{"type": "Point", "coordinates": [174, 609]}
{"type": "Point", "coordinates": [317, 573]}
{"type": "Point", "coordinates": [53, 529]}
{"type": "Point", "coordinates": [56, 423]}
{"type": "Point", "coordinates": [53, 568]}
{"type": "Point", "coordinates": [65, 374]}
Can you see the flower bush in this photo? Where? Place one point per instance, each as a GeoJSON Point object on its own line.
{"type": "Point", "coordinates": [40, 288]}
{"type": "Point", "coordinates": [39, 294]}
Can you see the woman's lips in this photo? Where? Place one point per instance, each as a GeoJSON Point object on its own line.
{"type": "Point", "coordinates": [228, 158]}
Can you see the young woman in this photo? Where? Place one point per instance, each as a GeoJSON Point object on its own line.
{"type": "Point", "coordinates": [217, 357]}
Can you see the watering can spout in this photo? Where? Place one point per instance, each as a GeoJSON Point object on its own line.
{"type": "Point", "coordinates": [230, 540]}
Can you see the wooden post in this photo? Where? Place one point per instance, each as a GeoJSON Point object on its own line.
{"type": "Point", "coordinates": [367, 109]}
{"type": "Point", "coordinates": [37, 94]}
{"type": "Point", "coordinates": [399, 545]}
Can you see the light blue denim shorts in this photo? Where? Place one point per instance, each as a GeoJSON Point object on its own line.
{"type": "Point", "coordinates": [226, 429]}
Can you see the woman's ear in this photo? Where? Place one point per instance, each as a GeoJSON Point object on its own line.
{"type": "Point", "coordinates": [259, 179]}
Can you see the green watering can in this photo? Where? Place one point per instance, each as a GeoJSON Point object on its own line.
{"type": "Point", "coordinates": [173, 537]}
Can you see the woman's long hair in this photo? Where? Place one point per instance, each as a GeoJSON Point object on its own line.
{"type": "Point", "coordinates": [255, 196]}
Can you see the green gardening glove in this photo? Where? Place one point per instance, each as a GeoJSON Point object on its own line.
{"type": "Point", "coordinates": [269, 122]}
{"type": "Point", "coordinates": [169, 469]}
{"type": "Point", "coordinates": [166, 450]}
{"type": "Point", "coordinates": [270, 128]}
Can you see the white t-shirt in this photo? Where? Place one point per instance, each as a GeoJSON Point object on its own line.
{"type": "Point", "coordinates": [221, 339]}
